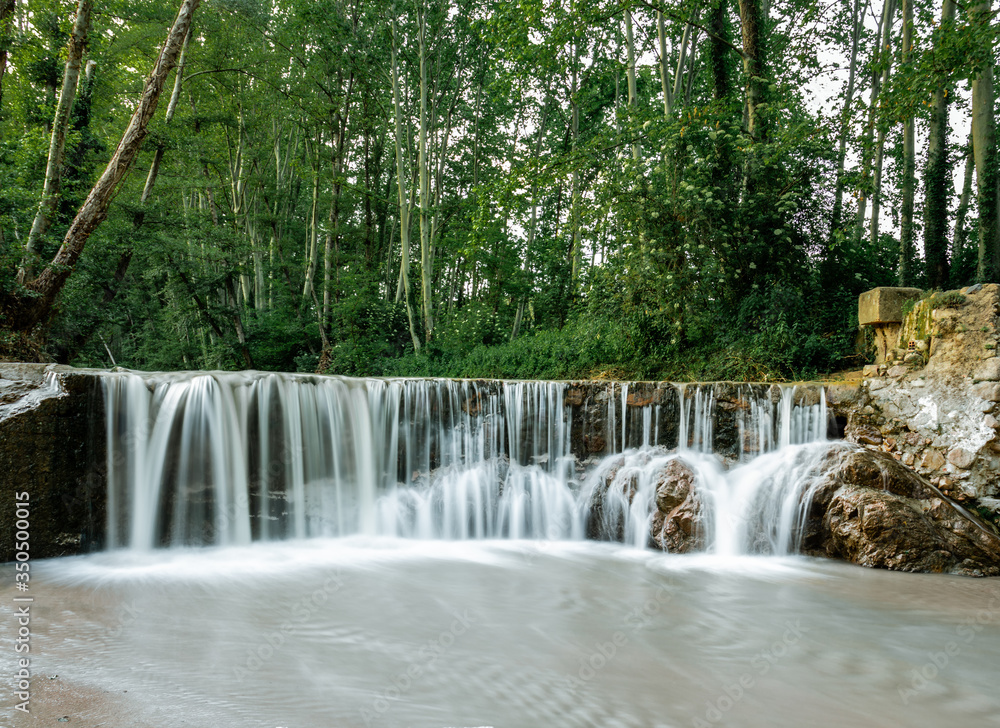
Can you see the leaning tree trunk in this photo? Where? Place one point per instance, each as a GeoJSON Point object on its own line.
{"type": "Point", "coordinates": [984, 146]}
{"type": "Point", "coordinates": [26, 312]}
{"type": "Point", "coordinates": [937, 177]}
{"type": "Point", "coordinates": [57, 140]}
{"type": "Point", "coordinates": [909, 166]}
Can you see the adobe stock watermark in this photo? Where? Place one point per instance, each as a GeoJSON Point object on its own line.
{"type": "Point", "coordinates": [939, 661]}
{"type": "Point", "coordinates": [637, 619]}
{"type": "Point", "coordinates": [430, 653]}
{"type": "Point", "coordinates": [302, 610]}
{"type": "Point", "coordinates": [761, 664]}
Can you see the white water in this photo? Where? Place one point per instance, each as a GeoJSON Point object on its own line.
{"type": "Point", "coordinates": [219, 458]}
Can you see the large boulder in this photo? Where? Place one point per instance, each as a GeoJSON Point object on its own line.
{"type": "Point", "coordinates": [677, 522]}
{"type": "Point", "coordinates": [873, 511]}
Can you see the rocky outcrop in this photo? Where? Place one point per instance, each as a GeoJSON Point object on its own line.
{"type": "Point", "coordinates": [934, 405]}
{"type": "Point", "coordinates": [677, 522]}
{"type": "Point", "coordinates": [52, 448]}
{"type": "Point", "coordinates": [872, 511]}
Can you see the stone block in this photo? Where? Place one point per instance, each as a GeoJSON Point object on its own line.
{"type": "Point", "coordinates": [884, 305]}
{"type": "Point", "coordinates": [988, 371]}
{"type": "Point", "coordinates": [990, 391]}
{"type": "Point", "coordinates": [961, 458]}
{"type": "Point", "coordinates": [932, 460]}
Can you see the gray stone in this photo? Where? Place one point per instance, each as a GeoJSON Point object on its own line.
{"type": "Point", "coordinates": [988, 391]}
{"type": "Point", "coordinates": [974, 288]}
{"type": "Point", "coordinates": [989, 370]}
{"type": "Point", "coordinates": [961, 458]}
{"type": "Point", "coordinates": [991, 421]}
{"type": "Point", "coordinates": [914, 358]}
{"type": "Point", "coordinates": [897, 371]}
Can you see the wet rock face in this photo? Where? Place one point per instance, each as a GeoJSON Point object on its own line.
{"type": "Point", "coordinates": [873, 511]}
{"type": "Point", "coordinates": [52, 438]}
{"type": "Point", "coordinates": [677, 523]}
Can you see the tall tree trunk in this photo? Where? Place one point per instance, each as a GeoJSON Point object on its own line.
{"type": "Point", "coordinates": [661, 33]}
{"type": "Point", "coordinates": [960, 237]}
{"type": "Point", "coordinates": [909, 166]}
{"type": "Point", "coordinates": [6, 22]}
{"type": "Point", "coordinates": [111, 289]}
{"type": "Point", "coordinates": [630, 70]}
{"type": "Point", "coordinates": [427, 294]}
{"type": "Point", "coordinates": [57, 140]}
{"type": "Point", "coordinates": [937, 177]}
{"type": "Point", "coordinates": [751, 21]}
{"type": "Point", "coordinates": [26, 313]}
{"type": "Point", "coordinates": [857, 19]}
{"type": "Point", "coordinates": [879, 81]}
{"type": "Point", "coordinates": [576, 244]}
{"type": "Point", "coordinates": [404, 204]}
{"type": "Point", "coordinates": [984, 145]}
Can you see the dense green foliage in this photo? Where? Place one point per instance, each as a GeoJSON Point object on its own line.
{"type": "Point", "coordinates": [556, 227]}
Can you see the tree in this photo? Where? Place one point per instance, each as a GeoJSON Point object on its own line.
{"type": "Point", "coordinates": [28, 308]}
{"type": "Point", "coordinates": [984, 147]}
{"type": "Point", "coordinates": [937, 177]}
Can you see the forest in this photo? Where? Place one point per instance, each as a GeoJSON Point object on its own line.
{"type": "Point", "coordinates": [697, 189]}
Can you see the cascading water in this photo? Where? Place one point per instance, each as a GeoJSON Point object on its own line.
{"type": "Point", "coordinates": [220, 458]}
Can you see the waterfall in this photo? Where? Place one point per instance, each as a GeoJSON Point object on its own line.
{"type": "Point", "coordinates": [228, 458]}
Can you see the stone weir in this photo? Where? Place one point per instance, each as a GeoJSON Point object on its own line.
{"type": "Point", "coordinates": [914, 486]}
{"type": "Point", "coordinates": [53, 434]}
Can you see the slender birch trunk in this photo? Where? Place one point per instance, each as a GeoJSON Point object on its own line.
{"type": "Point", "coordinates": [57, 140]}
{"type": "Point", "coordinates": [879, 81]}
{"type": "Point", "coordinates": [857, 18]}
{"type": "Point", "coordinates": [404, 204]}
{"type": "Point", "coordinates": [909, 165]}
{"type": "Point", "coordinates": [668, 98]}
{"type": "Point", "coordinates": [427, 295]}
{"type": "Point", "coordinates": [25, 314]}
{"type": "Point", "coordinates": [630, 70]}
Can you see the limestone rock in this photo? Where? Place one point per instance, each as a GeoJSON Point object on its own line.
{"type": "Point", "coordinates": [897, 371]}
{"type": "Point", "coordinates": [988, 371]}
{"type": "Point", "coordinates": [872, 511]}
{"type": "Point", "coordinates": [884, 305]}
{"type": "Point", "coordinates": [988, 391]}
{"type": "Point", "coordinates": [676, 525]}
{"type": "Point", "coordinates": [932, 460]}
{"type": "Point", "coordinates": [961, 458]}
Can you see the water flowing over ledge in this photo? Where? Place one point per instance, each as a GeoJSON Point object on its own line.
{"type": "Point", "coordinates": [221, 458]}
